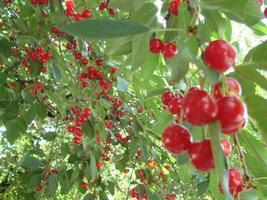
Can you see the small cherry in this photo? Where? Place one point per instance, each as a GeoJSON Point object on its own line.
{"type": "Point", "coordinates": [169, 50]}
{"type": "Point", "coordinates": [227, 147]}
{"type": "Point", "coordinates": [156, 45]}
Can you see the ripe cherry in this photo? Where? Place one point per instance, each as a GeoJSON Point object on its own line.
{"type": "Point", "coordinates": [219, 55]}
{"type": "Point", "coordinates": [156, 45]}
{"type": "Point", "coordinates": [85, 185]}
{"type": "Point", "coordinates": [169, 50]}
{"type": "Point", "coordinates": [99, 164]}
{"type": "Point", "coordinates": [265, 12]}
{"type": "Point", "coordinates": [227, 147]}
{"type": "Point", "coordinates": [231, 112]}
{"type": "Point", "coordinates": [235, 179]}
{"type": "Point", "coordinates": [199, 107]}
{"type": "Point", "coordinates": [87, 13]}
{"type": "Point", "coordinates": [235, 129]}
{"type": "Point", "coordinates": [77, 140]}
{"type": "Point", "coordinates": [167, 97]}
{"type": "Point", "coordinates": [108, 124]}
{"type": "Point", "coordinates": [232, 88]}
{"type": "Point", "coordinates": [200, 154]}
{"type": "Point", "coordinates": [103, 5]}
{"type": "Point", "coordinates": [174, 7]}
{"type": "Point", "coordinates": [99, 62]}
{"type": "Point", "coordinates": [112, 11]}
{"type": "Point", "coordinates": [175, 104]}
{"type": "Point", "coordinates": [176, 138]}
{"type": "Point", "coordinates": [38, 188]}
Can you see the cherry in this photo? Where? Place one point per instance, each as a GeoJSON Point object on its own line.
{"type": "Point", "coordinates": [86, 13]}
{"type": "Point", "coordinates": [84, 61]}
{"type": "Point", "coordinates": [199, 107]}
{"type": "Point", "coordinates": [77, 140]}
{"type": "Point", "coordinates": [200, 154]}
{"type": "Point", "coordinates": [70, 12]}
{"type": "Point", "coordinates": [140, 173]}
{"type": "Point", "coordinates": [99, 62]}
{"type": "Point", "coordinates": [156, 45]}
{"type": "Point", "coordinates": [170, 196]}
{"type": "Point", "coordinates": [85, 185]}
{"type": "Point", "coordinates": [265, 12]}
{"type": "Point", "coordinates": [219, 55]}
{"type": "Point", "coordinates": [176, 138]}
{"type": "Point", "coordinates": [260, 2]}
{"type": "Point", "coordinates": [227, 147]}
{"type": "Point", "coordinates": [175, 104]}
{"type": "Point", "coordinates": [69, 46]}
{"type": "Point", "coordinates": [69, 3]}
{"type": "Point", "coordinates": [235, 129]}
{"type": "Point", "coordinates": [169, 50]}
{"type": "Point", "coordinates": [99, 164]}
{"type": "Point", "coordinates": [231, 112]}
{"type": "Point", "coordinates": [174, 7]}
{"type": "Point", "coordinates": [232, 88]}
{"type": "Point", "coordinates": [167, 97]}
{"type": "Point", "coordinates": [235, 179]}
{"type": "Point", "coordinates": [38, 188]}
{"type": "Point", "coordinates": [112, 11]}
{"type": "Point", "coordinates": [108, 124]}
{"type": "Point", "coordinates": [103, 5]}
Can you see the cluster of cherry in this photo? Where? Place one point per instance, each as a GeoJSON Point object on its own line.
{"type": "Point", "coordinates": [200, 108]}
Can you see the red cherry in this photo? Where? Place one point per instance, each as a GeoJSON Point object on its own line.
{"type": "Point", "coordinates": [134, 192]}
{"type": "Point", "coordinates": [77, 140]}
{"type": "Point", "coordinates": [235, 129]}
{"type": "Point", "coordinates": [167, 97]}
{"type": "Point", "coordinates": [176, 138]}
{"type": "Point", "coordinates": [103, 5]}
{"type": "Point", "coordinates": [70, 12]}
{"type": "Point", "coordinates": [87, 111]}
{"type": "Point", "coordinates": [232, 88]}
{"type": "Point", "coordinates": [169, 50]}
{"type": "Point", "coordinates": [108, 124]}
{"type": "Point", "coordinates": [99, 164]}
{"type": "Point", "coordinates": [156, 45]}
{"type": "Point", "coordinates": [99, 62]}
{"type": "Point", "coordinates": [265, 12]}
{"type": "Point", "coordinates": [71, 129]}
{"type": "Point", "coordinates": [85, 185]}
{"type": "Point", "coordinates": [87, 13]}
{"type": "Point", "coordinates": [235, 179]}
{"type": "Point", "coordinates": [200, 154]}
{"type": "Point", "coordinates": [112, 11]}
{"type": "Point", "coordinates": [175, 105]}
{"type": "Point", "coordinates": [260, 2]}
{"type": "Point", "coordinates": [227, 147]}
{"type": "Point", "coordinates": [219, 55]}
{"type": "Point", "coordinates": [38, 188]}
{"type": "Point", "coordinates": [231, 112]}
{"type": "Point", "coordinates": [84, 61]}
{"type": "Point", "coordinates": [238, 189]}
{"type": "Point", "coordinates": [139, 153]}
{"type": "Point", "coordinates": [174, 7]}
{"type": "Point", "coordinates": [69, 4]}
{"type": "Point", "coordinates": [69, 46]}
{"type": "Point", "coordinates": [170, 196]}
{"type": "Point", "coordinates": [199, 107]}
{"type": "Point", "coordinates": [140, 173]}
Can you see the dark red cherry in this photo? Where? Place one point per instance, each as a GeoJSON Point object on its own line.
{"type": "Point", "coordinates": [200, 154]}
{"type": "Point", "coordinates": [176, 138]}
{"type": "Point", "coordinates": [231, 112]}
{"type": "Point", "coordinates": [199, 107]}
{"type": "Point", "coordinates": [176, 104]}
{"type": "Point", "coordinates": [85, 185]}
{"type": "Point", "coordinates": [167, 97]}
{"type": "Point", "coordinates": [156, 45]}
{"type": "Point", "coordinates": [235, 179]}
{"type": "Point", "coordinates": [219, 55]}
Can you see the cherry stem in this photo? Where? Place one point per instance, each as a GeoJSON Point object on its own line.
{"type": "Point", "coordinates": [242, 158]}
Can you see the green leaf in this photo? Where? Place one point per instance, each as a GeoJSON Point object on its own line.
{"type": "Point", "coordinates": [5, 47]}
{"type": "Point", "coordinates": [30, 162]}
{"type": "Point", "coordinates": [250, 73]}
{"type": "Point", "coordinates": [14, 129]}
{"type": "Point", "coordinates": [258, 56]}
{"type": "Point", "coordinates": [145, 15]}
{"type": "Point", "coordinates": [164, 119]}
{"type": "Point", "coordinates": [122, 85]}
{"type": "Point", "coordinates": [249, 194]}
{"type": "Point", "coordinates": [219, 158]}
{"type": "Point", "coordinates": [104, 29]}
{"type": "Point", "coordinates": [50, 136]}
{"type": "Point", "coordinates": [118, 46]}
{"type": "Point", "coordinates": [245, 11]}
{"type": "Point", "coordinates": [202, 187]}
{"type": "Point", "coordinates": [89, 196]}
{"type": "Point", "coordinates": [36, 68]}
{"type": "Point", "coordinates": [133, 146]}
{"type": "Point", "coordinates": [127, 5]}
{"type": "Point", "coordinates": [52, 185]}
{"type": "Point", "coordinates": [93, 166]}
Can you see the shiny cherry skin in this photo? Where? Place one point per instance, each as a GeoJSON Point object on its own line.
{"type": "Point", "coordinates": [156, 45]}
{"type": "Point", "coordinates": [235, 179]}
{"type": "Point", "coordinates": [219, 55]}
{"type": "Point", "coordinates": [236, 129]}
{"type": "Point", "coordinates": [176, 104]}
{"type": "Point", "coordinates": [85, 185]}
{"type": "Point", "coordinates": [199, 107]}
{"type": "Point", "coordinates": [227, 147]}
{"type": "Point", "coordinates": [232, 88]}
{"type": "Point", "coordinates": [174, 7]}
{"type": "Point", "coordinates": [231, 112]}
{"type": "Point", "coordinates": [167, 97]}
{"type": "Point", "coordinates": [77, 140]}
{"type": "Point", "coordinates": [176, 138]}
{"type": "Point", "coordinates": [200, 154]}
{"type": "Point", "coordinates": [169, 50]}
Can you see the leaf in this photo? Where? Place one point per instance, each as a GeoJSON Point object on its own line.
{"type": "Point", "coordinates": [249, 194]}
{"type": "Point", "coordinates": [202, 187]}
{"type": "Point", "coordinates": [32, 163]}
{"type": "Point", "coordinates": [258, 56]}
{"type": "Point", "coordinates": [127, 5]}
{"type": "Point", "coordinates": [145, 15]}
{"type": "Point", "coordinates": [89, 196]}
{"type": "Point", "coordinates": [52, 185]}
{"type": "Point", "coordinates": [213, 186]}
{"type": "Point", "coordinates": [36, 68]}
{"type": "Point", "coordinates": [250, 73]}
{"type": "Point", "coordinates": [133, 146]}
{"type": "Point", "coordinates": [93, 166]}
{"type": "Point", "coordinates": [245, 11]}
{"type": "Point", "coordinates": [50, 136]}
{"type": "Point", "coordinates": [118, 46]}
{"type": "Point", "coordinates": [104, 29]}
{"type": "Point", "coordinates": [14, 129]}
{"type": "Point", "coordinates": [164, 120]}
{"type": "Point", "coordinates": [122, 85]}
{"type": "Point", "coordinates": [5, 47]}
{"type": "Point", "coordinates": [219, 158]}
